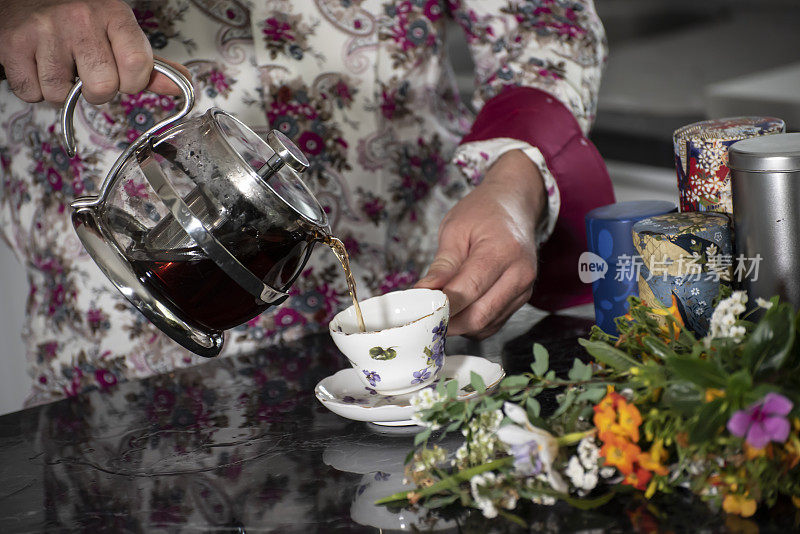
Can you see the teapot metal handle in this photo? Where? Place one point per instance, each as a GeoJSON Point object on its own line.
{"type": "Point", "coordinates": [68, 133]}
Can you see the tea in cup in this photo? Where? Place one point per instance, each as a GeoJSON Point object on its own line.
{"type": "Point", "coordinates": [402, 349]}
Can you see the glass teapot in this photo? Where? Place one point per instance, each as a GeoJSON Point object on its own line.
{"type": "Point", "coordinates": [201, 224]}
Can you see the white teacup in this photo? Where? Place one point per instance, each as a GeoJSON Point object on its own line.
{"type": "Point", "coordinates": [402, 349]}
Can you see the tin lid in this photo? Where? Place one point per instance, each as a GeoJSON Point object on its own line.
{"type": "Point", "coordinates": [773, 153]}
{"type": "Point", "coordinates": [727, 130]}
{"type": "Point", "coordinates": [631, 211]}
{"type": "Point", "coordinates": [674, 224]}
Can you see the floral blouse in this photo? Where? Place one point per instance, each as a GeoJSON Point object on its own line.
{"type": "Point", "coordinates": [365, 89]}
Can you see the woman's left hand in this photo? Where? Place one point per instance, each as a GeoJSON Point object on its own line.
{"type": "Point", "coordinates": [486, 261]}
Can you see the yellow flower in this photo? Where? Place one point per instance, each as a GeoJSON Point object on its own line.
{"type": "Point", "coordinates": [751, 453]}
{"type": "Point", "coordinates": [792, 448]}
{"type": "Point", "coordinates": [739, 505]}
{"type": "Point", "coordinates": [796, 501]}
{"type": "Point", "coordinates": [714, 393]}
{"type": "Point", "coordinates": [653, 460]}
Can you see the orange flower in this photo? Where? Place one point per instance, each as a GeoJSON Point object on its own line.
{"type": "Point", "coordinates": [611, 399]}
{"type": "Point", "coordinates": [653, 459]}
{"type": "Point", "coordinates": [796, 501]}
{"type": "Point", "coordinates": [604, 419]}
{"type": "Point", "coordinates": [638, 478]}
{"type": "Point", "coordinates": [714, 393]}
{"type": "Point", "coordinates": [739, 505]}
{"type": "Point", "coordinates": [620, 453]}
{"type": "Point", "coordinates": [629, 420]}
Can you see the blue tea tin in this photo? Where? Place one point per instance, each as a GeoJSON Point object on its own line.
{"type": "Point", "coordinates": [609, 263]}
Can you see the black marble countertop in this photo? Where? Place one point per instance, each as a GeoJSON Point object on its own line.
{"type": "Point", "coordinates": [241, 445]}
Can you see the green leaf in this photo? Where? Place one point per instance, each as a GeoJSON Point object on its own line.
{"type": "Point", "coordinates": [375, 351]}
{"type": "Point", "coordinates": [608, 355]}
{"type": "Point", "coordinates": [704, 373]}
{"type": "Point", "coordinates": [514, 382]}
{"type": "Point", "coordinates": [476, 382]}
{"type": "Point", "coordinates": [513, 518]}
{"type": "Point", "coordinates": [452, 389]}
{"type": "Point", "coordinates": [422, 437]}
{"type": "Point", "coordinates": [534, 408]}
{"type": "Point", "coordinates": [592, 394]}
{"type": "Point", "coordinates": [711, 418]}
{"type": "Point", "coordinates": [541, 360]}
{"type": "Point", "coordinates": [440, 502]}
{"type": "Point", "coordinates": [569, 398]}
{"type": "Point", "coordinates": [658, 348]}
{"type": "Point", "coordinates": [441, 388]}
{"type": "Point", "coordinates": [683, 396]}
{"type": "Point", "coordinates": [453, 426]}
{"type": "Point", "coordinates": [580, 371]}
{"type": "Point", "coordinates": [768, 346]}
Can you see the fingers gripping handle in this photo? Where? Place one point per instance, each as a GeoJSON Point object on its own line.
{"type": "Point", "coordinates": [67, 111]}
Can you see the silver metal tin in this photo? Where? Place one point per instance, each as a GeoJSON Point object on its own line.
{"type": "Point", "coordinates": [766, 208]}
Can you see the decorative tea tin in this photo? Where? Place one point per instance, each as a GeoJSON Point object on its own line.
{"type": "Point", "coordinates": [608, 233]}
{"type": "Point", "coordinates": [766, 196]}
{"type": "Point", "coordinates": [701, 159]}
{"type": "Point", "coordinates": [685, 257]}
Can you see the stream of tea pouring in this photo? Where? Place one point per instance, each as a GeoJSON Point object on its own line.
{"type": "Point", "coordinates": [340, 251]}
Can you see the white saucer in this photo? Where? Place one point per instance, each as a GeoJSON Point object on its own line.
{"type": "Point", "coordinates": [344, 394]}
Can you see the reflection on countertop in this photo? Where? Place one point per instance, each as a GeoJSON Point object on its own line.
{"type": "Point", "coordinates": [241, 445]}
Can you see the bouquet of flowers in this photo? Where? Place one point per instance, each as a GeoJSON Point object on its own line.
{"type": "Point", "coordinates": [655, 410]}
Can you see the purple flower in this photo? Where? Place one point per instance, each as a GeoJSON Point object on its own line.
{"type": "Point", "coordinates": [372, 377]}
{"type": "Point", "coordinates": [763, 421]}
{"type": "Point", "coordinates": [421, 376]}
{"type": "Point", "coordinates": [526, 458]}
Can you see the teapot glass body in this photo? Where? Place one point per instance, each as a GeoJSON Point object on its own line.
{"type": "Point", "coordinates": [202, 225]}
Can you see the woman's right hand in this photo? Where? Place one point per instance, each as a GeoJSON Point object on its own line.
{"type": "Point", "coordinates": [45, 43]}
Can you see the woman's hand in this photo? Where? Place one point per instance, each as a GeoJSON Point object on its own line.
{"type": "Point", "coordinates": [45, 43]}
{"type": "Point", "coordinates": [486, 262]}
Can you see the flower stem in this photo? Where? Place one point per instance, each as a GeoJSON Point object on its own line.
{"type": "Point", "coordinates": [452, 481]}
{"type": "Point", "coordinates": [574, 437]}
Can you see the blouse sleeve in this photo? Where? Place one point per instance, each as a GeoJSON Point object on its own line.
{"type": "Point", "coordinates": [537, 76]}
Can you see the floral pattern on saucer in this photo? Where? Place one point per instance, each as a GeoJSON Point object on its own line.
{"type": "Point", "coordinates": [344, 394]}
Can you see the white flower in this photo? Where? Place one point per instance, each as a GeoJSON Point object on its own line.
{"type": "Point", "coordinates": [695, 291]}
{"type": "Point", "coordinates": [607, 472]}
{"type": "Point", "coordinates": [723, 320]}
{"type": "Point", "coordinates": [486, 480]}
{"type": "Point", "coordinates": [763, 303]}
{"type": "Point", "coordinates": [588, 453]}
{"type": "Point", "coordinates": [424, 400]}
{"type": "Point", "coordinates": [583, 479]}
{"type": "Point", "coordinates": [737, 333]}
{"type": "Point", "coordinates": [526, 441]}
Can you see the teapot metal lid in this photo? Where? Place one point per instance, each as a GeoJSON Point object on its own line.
{"type": "Point", "coordinates": [276, 163]}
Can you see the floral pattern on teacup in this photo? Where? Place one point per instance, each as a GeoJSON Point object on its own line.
{"type": "Point", "coordinates": [434, 354]}
{"type": "Point", "coordinates": [379, 353]}
{"type": "Point", "coordinates": [372, 377]}
{"type": "Point", "coordinates": [421, 376]}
